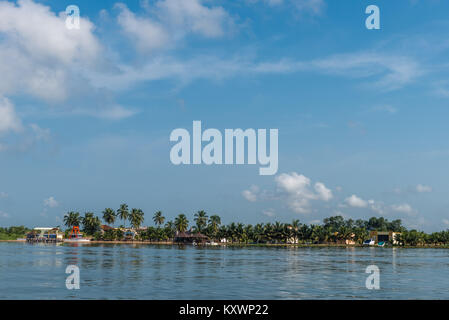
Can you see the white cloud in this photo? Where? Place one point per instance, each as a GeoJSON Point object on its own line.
{"type": "Point", "coordinates": [402, 208]}
{"type": "Point", "coordinates": [323, 192]}
{"type": "Point", "coordinates": [37, 51]}
{"type": "Point", "coordinates": [146, 34]}
{"type": "Point", "coordinates": [269, 213]}
{"type": "Point", "coordinates": [299, 192]}
{"type": "Point", "coordinates": [4, 215]}
{"type": "Point", "coordinates": [193, 16]}
{"type": "Point", "coordinates": [314, 7]}
{"type": "Point", "coordinates": [377, 207]}
{"type": "Point", "coordinates": [445, 221]}
{"type": "Point", "coordinates": [251, 194]}
{"type": "Point", "coordinates": [422, 188]}
{"type": "Point", "coordinates": [170, 21]}
{"type": "Point", "coordinates": [9, 121]}
{"type": "Point", "coordinates": [385, 108]}
{"type": "Point", "coordinates": [311, 7]}
{"type": "Point", "coordinates": [356, 202]}
{"type": "Point", "coordinates": [51, 202]}
{"type": "Point", "coordinates": [392, 71]}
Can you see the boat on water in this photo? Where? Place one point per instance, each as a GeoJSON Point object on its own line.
{"type": "Point", "coordinates": [381, 244]}
{"type": "Point", "coordinates": [77, 240]}
{"type": "Point", "coordinates": [76, 236]}
{"type": "Point", "coordinates": [369, 242]}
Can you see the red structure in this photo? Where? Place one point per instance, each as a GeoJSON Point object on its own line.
{"type": "Point", "coordinates": [75, 232]}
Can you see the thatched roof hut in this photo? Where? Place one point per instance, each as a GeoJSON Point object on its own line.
{"type": "Point", "coordinates": [190, 237]}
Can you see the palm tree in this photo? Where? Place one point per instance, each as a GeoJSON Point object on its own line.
{"type": "Point", "coordinates": [109, 216]}
{"type": "Point", "coordinates": [158, 218]}
{"type": "Point", "coordinates": [170, 229]}
{"type": "Point", "coordinates": [72, 219]}
{"type": "Point", "coordinates": [123, 212]}
{"type": "Point", "coordinates": [91, 224]}
{"type": "Point", "coordinates": [258, 232]}
{"type": "Point", "coordinates": [201, 220]}
{"type": "Point", "coordinates": [136, 218]}
{"type": "Point", "coordinates": [181, 223]}
{"type": "Point", "coordinates": [295, 230]}
{"type": "Point", "coordinates": [214, 224]}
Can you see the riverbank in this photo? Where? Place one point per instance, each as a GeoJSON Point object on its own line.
{"type": "Point", "coordinates": [316, 245]}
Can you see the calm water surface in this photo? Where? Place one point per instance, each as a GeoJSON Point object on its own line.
{"type": "Point", "coordinates": [124, 271]}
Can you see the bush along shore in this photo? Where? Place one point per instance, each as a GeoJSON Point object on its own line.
{"type": "Point", "coordinates": [334, 231]}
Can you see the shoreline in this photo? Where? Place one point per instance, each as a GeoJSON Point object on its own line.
{"type": "Point", "coordinates": [320, 245]}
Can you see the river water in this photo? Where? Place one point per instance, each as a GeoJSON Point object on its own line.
{"type": "Point", "coordinates": [134, 271]}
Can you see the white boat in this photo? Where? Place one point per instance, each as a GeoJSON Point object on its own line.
{"type": "Point", "coordinates": [77, 240]}
{"type": "Point", "coordinates": [369, 242]}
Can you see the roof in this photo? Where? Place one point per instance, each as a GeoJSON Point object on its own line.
{"type": "Point", "coordinates": [106, 227]}
{"type": "Point", "coordinates": [189, 234]}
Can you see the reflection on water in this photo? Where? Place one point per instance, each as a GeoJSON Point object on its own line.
{"type": "Point", "coordinates": [122, 271]}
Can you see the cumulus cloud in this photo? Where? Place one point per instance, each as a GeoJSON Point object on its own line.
{"type": "Point", "coordinates": [146, 34]}
{"type": "Point", "coordinates": [419, 188]}
{"type": "Point", "coordinates": [356, 202]}
{"type": "Point", "coordinates": [38, 52]}
{"type": "Point", "coordinates": [299, 191]}
{"type": "Point", "coordinates": [9, 121]}
{"type": "Point", "coordinates": [251, 194]}
{"type": "Point", "coordinates": [170, 21]}
{"type": "Point", "coordinates": [311, 7]}
{"type": "Point", "coordinates": [269, 213]}
{"type": "Point", "coordinates": [422, 188]}
{"type": "Point", "coordinates": [402, 208]}
{"type": "Point", "coordinates": [51, 202]}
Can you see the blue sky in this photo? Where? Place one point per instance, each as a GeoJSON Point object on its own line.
{"type": "Point", "coordinates": [86, 115]}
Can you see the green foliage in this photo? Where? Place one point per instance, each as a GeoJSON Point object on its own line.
{"type": "Point", "coordinates": [334, 229]}
{"type": "Point", "coordinates": [13, 233]}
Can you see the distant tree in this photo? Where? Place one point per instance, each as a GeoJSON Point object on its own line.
{"type": "Point", "coordinates": [201, 220]}
{"type": "Point", "coordinates": [123, 212]}
{"type": "Point", "coordinates": [109, 216]}
{"type": "Point", "coordinates": [91, 223]}
{"type": "Point", "coordinates": [136, 218]}
{"type": "Point", "coordinates": [72, 219]}
{"type": "Point", "coordinates": [181, 223]}
{"type": "Point", "coordinates": [158, 218]}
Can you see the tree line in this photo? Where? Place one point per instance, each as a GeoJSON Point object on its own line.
{"type": "Point", "coordinates": [334, 229]}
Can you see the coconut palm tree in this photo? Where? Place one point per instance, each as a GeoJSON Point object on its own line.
{"type": "Point", "coordinates": [201, 220]}
{"type": "Point", "coordinates": [91, 223]}
{"type": "Point", "coordinates": [181, 223]}
{"type": "Point", "coordinates": [158, 218]}
{"type": "Point", "coordinates": [123, 212]}
{"type": "Point", "coordinates": [214, 224]}
{"type": "Point", "coordinates": [109, 216]}
{"type": "Point", "coordinates": [258, 232]}
{"type": "Point", "coordinates": [295, 230]}
{"type": "Point", "coordinates": [170, 229]}
{"type": "Point", "coordinates": [72, 219]}
{"type": "Point", "coordinates": [136, 218]}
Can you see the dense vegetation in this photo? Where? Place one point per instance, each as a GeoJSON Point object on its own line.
{"type": "Point", "coordinates": [13, 233]}
{"type": "Point", "coordinates": [333, 230]}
